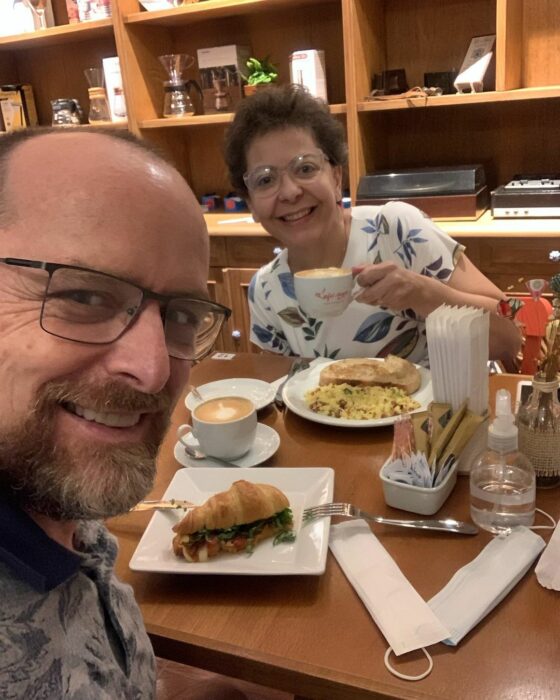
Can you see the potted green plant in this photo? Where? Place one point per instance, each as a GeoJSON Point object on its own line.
{"type": "Point", "coordinates": [260, 73]}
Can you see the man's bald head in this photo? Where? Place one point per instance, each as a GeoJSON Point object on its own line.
{"type": "Point", "coordinates": [11, 142]}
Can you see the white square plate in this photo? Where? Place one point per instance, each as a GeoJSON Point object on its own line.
{"type": "Point", "coordinates": [304, 487]}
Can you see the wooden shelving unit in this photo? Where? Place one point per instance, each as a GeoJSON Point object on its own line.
{"type": "Point", "coordinates": [513, 129]}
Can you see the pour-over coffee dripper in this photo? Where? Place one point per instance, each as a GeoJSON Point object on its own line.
{"type": "Point", "coordinates": [98, 106]}
{"type": "Point", "coordinates": [176, 101]}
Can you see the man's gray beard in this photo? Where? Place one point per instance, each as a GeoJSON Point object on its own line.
{"type": "Point", "coordinates": [89, 481]}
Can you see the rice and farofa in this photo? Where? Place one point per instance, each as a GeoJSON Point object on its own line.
{"type": "Point", "coordinates": [359, 402]}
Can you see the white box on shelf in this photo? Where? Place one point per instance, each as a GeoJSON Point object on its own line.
{"type": "Point", "coordinates": [307, 68]}
{"type": "Point", "coordinates": [114, 87]}
{"type": "Point", "coordinates": [220, 69]}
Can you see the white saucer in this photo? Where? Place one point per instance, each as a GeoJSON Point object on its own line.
{"type": "Point", "coordinates": [259, 392]}
{"type": "Point", "coordinates": [266, 443]}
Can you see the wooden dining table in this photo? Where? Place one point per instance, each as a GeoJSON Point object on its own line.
{"type": "Point", "coordinates": [311, 635]}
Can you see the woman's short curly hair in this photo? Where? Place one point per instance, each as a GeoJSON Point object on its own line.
{"type": "Point", "coordinates": [279, 108]}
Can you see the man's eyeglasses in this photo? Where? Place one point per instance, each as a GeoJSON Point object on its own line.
{"type": "Point", "coordinates": [264, 181]}
{"type": "Point", "coordinates": [95, 307]}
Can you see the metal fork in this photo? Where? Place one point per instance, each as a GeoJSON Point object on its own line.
{"type": "Point", "coordinates": [347, 510]}
{"type": "Point", "coordinates": [297, 366]}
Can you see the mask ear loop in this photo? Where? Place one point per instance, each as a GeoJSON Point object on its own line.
{"type": "Point", "coordinates": [402, 675]}
{"type": "Point", "coordinates": [544, 527]}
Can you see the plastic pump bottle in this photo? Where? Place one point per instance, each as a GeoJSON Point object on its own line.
{"type": "Point", "coordinates": [502, 480]}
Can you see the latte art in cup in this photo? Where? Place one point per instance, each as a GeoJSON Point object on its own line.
{"type": "Point", "coordinates": [223, 410]}
{"type": "Point", "coordinates": [224, 427]}
{"type": "Point", "coordinates": [323, 292]}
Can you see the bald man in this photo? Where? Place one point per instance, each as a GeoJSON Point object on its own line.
{"type": "Point", "coordinates": [103, 307]}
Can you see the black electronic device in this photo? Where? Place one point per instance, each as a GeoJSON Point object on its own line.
{"type": "Point", "coordinates": [416, 182]}
{"type": "Point", "coordinates": [445, 192]}
{"type": "Point", "coordinates": [527, 196]}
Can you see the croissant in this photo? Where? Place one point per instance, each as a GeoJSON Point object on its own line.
{"type": "Point", "coordinates": [232, 521]}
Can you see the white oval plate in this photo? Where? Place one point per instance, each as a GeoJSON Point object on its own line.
{"type": "Point", "coordinates": [294, 398]}
{"type": "Point", "coordinates": [259, 392]}
{"type": "Point", "coordinates": [266, 443]}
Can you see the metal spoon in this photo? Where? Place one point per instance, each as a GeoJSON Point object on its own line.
{"type": "Point", "coordinates": [196, 393]}
{"type": "Point", "coordinates": [197, 454]}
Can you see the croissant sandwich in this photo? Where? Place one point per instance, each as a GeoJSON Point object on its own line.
{"type": "Point", "coordinates": [234, 521]}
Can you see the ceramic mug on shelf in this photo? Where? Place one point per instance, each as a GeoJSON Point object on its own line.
{"type": "Point", "coordinates": [225, 426]}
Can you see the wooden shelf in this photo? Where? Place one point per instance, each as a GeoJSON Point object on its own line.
{"type": "Point", "coordinates": [488, 227]}
{"type": "Point", "coordinates": [54, 36]}
{"type": "Point", "coordinates": [212, 9]}
{"type": "Point", "coordinates": [206, 119]}
{"type": "Point", "coordinates": [484, 227]}
{"type": "Point", "coordinates": [536, 93]}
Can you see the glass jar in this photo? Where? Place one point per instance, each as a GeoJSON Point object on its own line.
{"type": "Point", "coordinates": [538, 421]}
{"type": "Point", "coordinates": [66, 112]}
{"type": "Point", "coordinates": [119, 104]}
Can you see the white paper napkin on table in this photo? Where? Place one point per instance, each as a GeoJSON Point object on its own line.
{"type": "Point", "coordinates": [548, 568]}
{"type": "Point", "coordinates": [404, 618]}
{"type": "Point", "coordinates": [458, 351]}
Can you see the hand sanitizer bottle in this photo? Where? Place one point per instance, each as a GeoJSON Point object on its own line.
{"type": "Point", "coordinates": [502, 480]}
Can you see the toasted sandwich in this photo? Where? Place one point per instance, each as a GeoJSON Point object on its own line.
{"type": "Point", "coordinates": [391, 371]}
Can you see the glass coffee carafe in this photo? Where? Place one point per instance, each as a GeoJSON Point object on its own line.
{"type": "Point", "coordinates": [177, 101]}
{"type": "Point", "coordinates": [98, 105]}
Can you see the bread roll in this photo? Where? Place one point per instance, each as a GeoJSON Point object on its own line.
{"type": "Point", "coordinates": [392, 371]}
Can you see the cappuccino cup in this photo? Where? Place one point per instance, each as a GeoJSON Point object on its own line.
{"type": "Point", "coordinates": [324, 292]}
{"type": "Point", "coordinates": [224, 427]}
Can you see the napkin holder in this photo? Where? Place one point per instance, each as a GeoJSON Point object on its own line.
{"type": "Point", "coordinates": [417, 499]}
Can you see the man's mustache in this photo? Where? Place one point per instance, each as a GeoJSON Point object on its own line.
{"type": "Point", "coordinates": [108, 397]}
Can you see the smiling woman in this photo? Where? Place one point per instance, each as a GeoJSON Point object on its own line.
{"type": "Point", "coordinates": [285, 154]}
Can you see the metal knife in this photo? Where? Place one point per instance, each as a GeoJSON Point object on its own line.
{"type": "Point", "coordinates": [173, 503]}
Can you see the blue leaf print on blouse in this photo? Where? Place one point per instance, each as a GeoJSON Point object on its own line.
{"type": "Point", "coordinates": [376, 226]}
{"type": "Point", "coordinates": [433, 266]}
{"type": "Point", "coordinates": [286, 280]}
{"type": "Point", "coordinates": [251, 292]}
{"type": "Point", "coordinates": [402, 345]}
{"type": "Point", "coordinates": [433, 270]}
{"type": "Point", "coordinates": [374, 328]}
{"type": "Point", "coordinates": [264, 335]}
{"type": "Point", "coordinates": [406, 249]}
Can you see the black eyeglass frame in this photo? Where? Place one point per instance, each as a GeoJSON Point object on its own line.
{"type": "Point", "coordinates": [163, 299]}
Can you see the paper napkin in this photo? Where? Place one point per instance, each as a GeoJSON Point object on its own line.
{"type": "Point", "coordinates": [404, 618]}
{"type": "Point", "coordinates": [548, 568]}
{"type": "Point", "coordinates": [458, 351]}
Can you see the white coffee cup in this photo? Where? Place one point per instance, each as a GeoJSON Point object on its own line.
{"type": "Point", "coordinates": [324, 292]}
{"type": "Point", "coordinates": [224, 426]}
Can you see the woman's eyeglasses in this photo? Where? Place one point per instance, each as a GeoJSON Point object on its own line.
{"type": "Point", "coordinates": [264, 181]}
{"type": "Point", "coordinates": [94, 307]}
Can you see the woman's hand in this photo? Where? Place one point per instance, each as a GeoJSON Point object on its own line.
{"type": "Point", "coordinates": [387, 284]}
